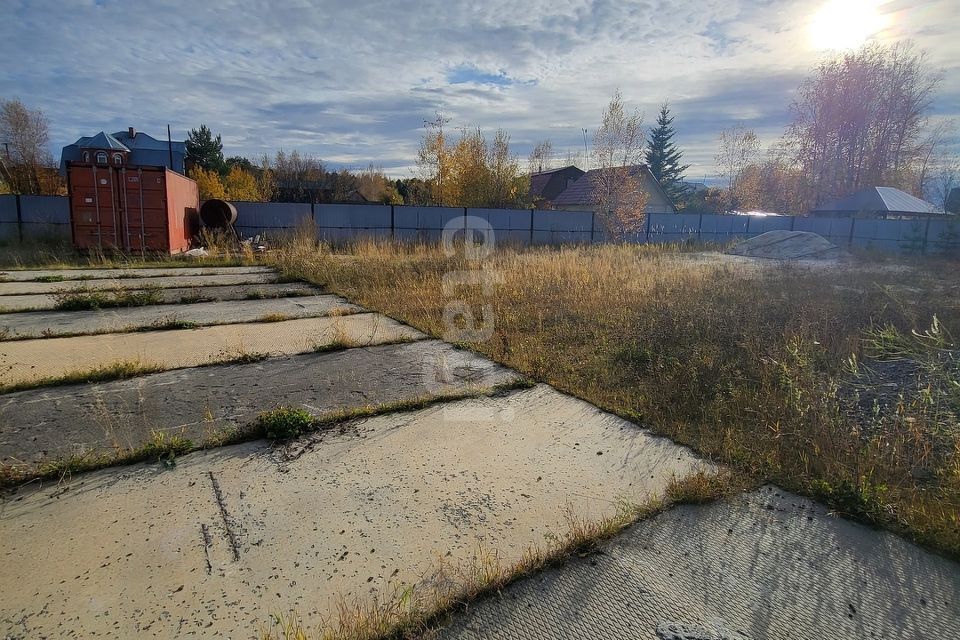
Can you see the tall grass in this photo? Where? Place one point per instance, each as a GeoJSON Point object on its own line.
{"type": "Point", "coordinates": [741, 360]}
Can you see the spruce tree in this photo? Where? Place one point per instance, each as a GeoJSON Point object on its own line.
{"type": "Point", "coordinates": [205, 151]}
{"type": "Point", "coordinates": [663, 157]}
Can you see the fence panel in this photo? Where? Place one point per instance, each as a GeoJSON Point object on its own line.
{"type": "Point", "coordinates": [341, 222]}
{"type": "Point", "coordinates": [894, 236]}
{"type": "Point", "coordinates": [943, 237]}
{"type": "Point", "coordinates": [510, 226]}
{"type": "Point", "coordinates": [836, 230]}
{"type": "Point", "coordinates": [424, 224]}
{"type": "Point", "coordinates": [562, 222]}
{"type": "Point", "coordinates": [270, 217]}
{"type": "Point", "coordinates": [45, 218]}
{"type": "Point", "coordinates": [8, 208]}
{"type": "Point", "coordinates": [722, 229]}
{"type": "Point", "coordinates": [673, 227]}
{"type": "Point", "coordinates": [762, 224]}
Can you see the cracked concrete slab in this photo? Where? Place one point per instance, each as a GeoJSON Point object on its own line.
{"type": "Point", "coordinates": [21, 275]}
{"type": "Point", "coordinates": [42, 425]}
{"type": "Point", "coordinates": [228, 536]}
{"type": "Point", "coordinates": [40, 301]}
{"type": "Point", "coordinates": [767, 564]}
{"type": "Point", "coordinates": [45, 324]}
{"type": "Point", "coordinates": [28, 361]}
{"type": "Point", "coordinates": [20, 288]}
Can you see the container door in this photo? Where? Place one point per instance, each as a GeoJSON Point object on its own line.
{"type": "Point", "coordinates": [145, 209]}
{"type": "Point", "coordinates": [94, 205]}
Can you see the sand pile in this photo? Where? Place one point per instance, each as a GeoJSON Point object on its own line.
{"type": "Point", "coordinates": [786, 245]}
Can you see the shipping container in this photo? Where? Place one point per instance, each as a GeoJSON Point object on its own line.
{"type": "Point", "coordinates": [137, 209]}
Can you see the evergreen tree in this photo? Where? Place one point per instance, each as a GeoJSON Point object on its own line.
{"type": "Point", "coordinates": [663, 157]}
{"type": "Point", "coordinates": [205, 151]}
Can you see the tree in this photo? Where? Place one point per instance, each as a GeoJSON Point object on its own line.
{"type": "Point", "coordinates": [432, 157]}
{"type": "Point", "coordinates": [617, 183]}
{"type": "Point", "coordinates": [205, 151]}
{"type": "Point", "coordinates": [662, 156]}
{"type": "Point", "coordinates": [240, 161]}
{"type": "Point", "coordinates": [208, 183]}
{"type": "Point", "coordinates": [241, 185]}
{"type": "Point", "coordinates": [738, 149]}
{"type": "Point", "coordinates": [858, 121]}
{"type": "Point", "coordinates": [541, 158]}
{"type": "Point", "coordinates": [26, 164]}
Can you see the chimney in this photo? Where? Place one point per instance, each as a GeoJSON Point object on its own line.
{"type": "Point", "coordinates": [131, 133]}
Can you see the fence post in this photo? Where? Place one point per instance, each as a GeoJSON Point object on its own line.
{"type": "Point", "coordinates": [19, 219]}
{"type": "Point", "coordinates": [747, 232]}
{"type": "Point", "coordinates": [926, 236]}
{"type": "Point", "coordinates": [531, 225]}
{"type": "Point", "coordinates": [593, 223]}
{"type": "Point", "coordinates": [853, 223]}
{"type": "Point", "coordinates": [699, 228]}
{"type": "Point", "coordinates": [393, 224]}
{"type": "Point", "coordinates": [313, 214]}
{"type": "Point", "coordinates": [793, 219]}
{"type": "Point", "coordinates": [647, 239]}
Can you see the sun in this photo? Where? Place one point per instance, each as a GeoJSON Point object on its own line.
{"type": "Point", "coordinates": [846, 24]}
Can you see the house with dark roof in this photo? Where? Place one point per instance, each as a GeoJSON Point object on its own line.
{"type": "Point", "coordinates": [130, 148]}
{"type": "Point", "coordinates": [580, 194]}
{"type": "Point", "coordinates": [547, 185]}
{"type": "Point", "coordinates": [877, 202]}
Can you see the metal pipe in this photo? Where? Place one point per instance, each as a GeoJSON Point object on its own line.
{"type": "Point", "coordinates": [96, 200]}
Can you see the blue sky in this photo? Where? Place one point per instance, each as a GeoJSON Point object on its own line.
{"type": "Point", "coordinates": [353, 82]}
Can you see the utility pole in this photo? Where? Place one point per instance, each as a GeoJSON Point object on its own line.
{"type": "Point", "coordinates": [585, 153]}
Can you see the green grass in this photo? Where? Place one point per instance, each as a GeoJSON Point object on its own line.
{"type": "Point", "coordinates": [85, 298]}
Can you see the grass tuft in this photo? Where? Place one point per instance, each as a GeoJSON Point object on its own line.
{"type": "Point", "coordinates": [85, 298]}
{"type": "Point", "coordinates": [115, 371]}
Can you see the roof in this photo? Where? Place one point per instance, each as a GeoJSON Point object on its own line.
{"type": "Point", "coordinates": [145, 151]}
{"type": "Point", "coordinates": [540, 181]}
{"type": "Point", "coordinates": [102, 140]}
{"type": "Point", "coordinates": [581, 192]}
{"type": "Point", "coordinates": [880, 200]}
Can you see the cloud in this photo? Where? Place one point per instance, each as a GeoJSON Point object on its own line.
{"type": "Point", "coordinates": [354, 82]}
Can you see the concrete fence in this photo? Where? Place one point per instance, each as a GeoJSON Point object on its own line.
{"type": "Point", "coordinates": [35, 218]}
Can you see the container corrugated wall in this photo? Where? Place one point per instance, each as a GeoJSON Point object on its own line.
{"type": "Point", "coordinates": [131, 209]}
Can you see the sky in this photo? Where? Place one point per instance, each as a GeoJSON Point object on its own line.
{"type": "Point", "coordinates": [353, 82]}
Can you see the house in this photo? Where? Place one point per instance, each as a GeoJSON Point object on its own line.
{"type": "Point", "coordinates": [877, 202]}
{"type": "Point", "coordinates": [579, 194]}
{"type": "Point", "coordinates": [130, 148]}
{"type": "Point", "coordinates": [547, 185]}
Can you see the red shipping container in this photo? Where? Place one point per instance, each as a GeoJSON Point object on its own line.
{"type": "Point", "coordinates": [141, 209]}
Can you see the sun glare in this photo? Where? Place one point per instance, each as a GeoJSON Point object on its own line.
{"type": "Point", "coordinates": [846, 24]}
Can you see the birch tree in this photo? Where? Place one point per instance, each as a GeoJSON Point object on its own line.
{"type": "Point", "coordinates": [618, 146]}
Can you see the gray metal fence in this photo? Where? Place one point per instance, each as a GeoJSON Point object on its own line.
{"type": "Point", "coordinates": [32, 218]}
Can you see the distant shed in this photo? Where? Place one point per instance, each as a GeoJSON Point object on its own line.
{"type": "Point", "coordinates": [877, 202]}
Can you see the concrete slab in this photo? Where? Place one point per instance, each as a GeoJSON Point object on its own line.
{"type": "Point", "coordinates": [228, 536]}
{"type": "Point", "coordinates": [22, 275]}
{"type": "Point", "coordinates": [768, 564]}
{"type": "Point", "coordinates": [25, 361]}
{"type": "Point", "coordinates": [43, 425]}
{"type": "Point", "coordinates": [45, 324]}
{"type": "Point", "coordinates": [20, 288]}
{"type": "Point", "coordinates": [39, 301]}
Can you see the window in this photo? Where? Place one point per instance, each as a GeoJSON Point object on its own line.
{"type": "Point", "coordinates": [101, 157]}
{"type": "Point", "coordinates": [118, 159]}
{"type": "Point", "coordinates": [86, 156]}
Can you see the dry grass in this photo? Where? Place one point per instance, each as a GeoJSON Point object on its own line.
{"type": "Point", "coordinates": [62, 255]}
{"type": "Point", "coordinates": [415, 611]}
{"type": "Point", "coordinates": [740, 361]}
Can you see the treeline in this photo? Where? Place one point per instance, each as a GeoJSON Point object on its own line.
{"type": "Point", "coordinates": [859, 120]}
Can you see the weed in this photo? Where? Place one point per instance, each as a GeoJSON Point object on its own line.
{"type": "Point", "coordinates": [283, 423]}
{"type": "Point", "coordinates": [84, 298]}
{"type": "Point", "coordinates": [274, 317]}
{"type": "Point", "coordinates": [114, 371]}
{"type": "Point", "coordinates": [50, 278]}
